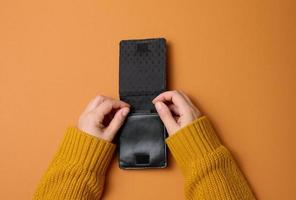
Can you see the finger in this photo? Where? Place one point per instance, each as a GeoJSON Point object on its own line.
{"type": "Point", "coordinates": [99, 100]}
{"type": "Point", "coordinates": [95, 102]}
{"type": "Point", "coordinates": [166, 117]}
{"type": "Point", "coordinates": [124, 104]}
{"type": "Point", "coordinates": [189, 101]}
{"type": "Point", "coordinates": [107, 106]}
{"type": "Point", "coordinates": [186, 97]}
{"type": "Point", "coordinates": [116, 122]}
{"type": "Point", "coordinates": [174, 109]}
{"type": "Point", "coordinates": [172, 96]}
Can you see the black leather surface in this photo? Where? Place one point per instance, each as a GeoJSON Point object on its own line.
{"type": "Point", "coordinates": [141, 143]}
{"type": "Point", "coordinates": [142, 71]}
{"type": "Point", "coordinates": [142, 76]}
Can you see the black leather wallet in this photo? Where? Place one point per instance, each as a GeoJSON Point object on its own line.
{"type": "Point", "coordinates": [142, 76]}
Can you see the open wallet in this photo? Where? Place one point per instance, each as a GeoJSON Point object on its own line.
{"type": "Point", "coordinates": [142, 76]}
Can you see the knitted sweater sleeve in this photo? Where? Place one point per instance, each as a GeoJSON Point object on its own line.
{"type": "Point", "coordinates": [209, 169]}
{"type": "Point", "coordinates": [78, 168]}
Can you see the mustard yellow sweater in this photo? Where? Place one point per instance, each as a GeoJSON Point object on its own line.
{"type": "Point", "coordinates": [78, 168]}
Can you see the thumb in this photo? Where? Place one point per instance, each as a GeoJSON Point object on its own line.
{"type": "Point", "coordinates": [116, 123]}
{"type": "Point", "coordinates": [166, 117]}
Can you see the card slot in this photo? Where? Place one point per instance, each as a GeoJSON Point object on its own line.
{"type": "Point", "coordinates": [140, 93]}
{"type": "Point", "coordinates": [143, 112]}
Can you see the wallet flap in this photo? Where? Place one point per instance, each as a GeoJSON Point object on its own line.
{"type": "Point", "coordinates": [142, 71]}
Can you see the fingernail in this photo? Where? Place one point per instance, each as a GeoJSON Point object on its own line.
{"type": "Point", "coordinates": [158, 105]}
{"type": "Point", "coordinates": [125, 111]}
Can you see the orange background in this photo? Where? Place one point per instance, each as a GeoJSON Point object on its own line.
{"type": "Point", "coordinates": [234, 58]}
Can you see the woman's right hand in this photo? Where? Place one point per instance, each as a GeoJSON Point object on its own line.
{"type": "Point", "coordinates": [103, 117]}
{"type": "Point", "coordinates": [175, 110]}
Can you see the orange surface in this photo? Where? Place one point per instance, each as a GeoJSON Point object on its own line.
{"type": "Point", "coordinates": [235, 59]}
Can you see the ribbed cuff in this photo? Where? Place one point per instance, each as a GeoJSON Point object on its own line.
{"type": "Point", "coordinates": [87, 151]}
{"type": "Point", "coordinates": [194, 141]}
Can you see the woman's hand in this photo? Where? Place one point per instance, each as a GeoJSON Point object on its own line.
{"type": "Point", "coordinates": [175, 110]}
{"type": "Point", "coordinates": [103, 117]}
